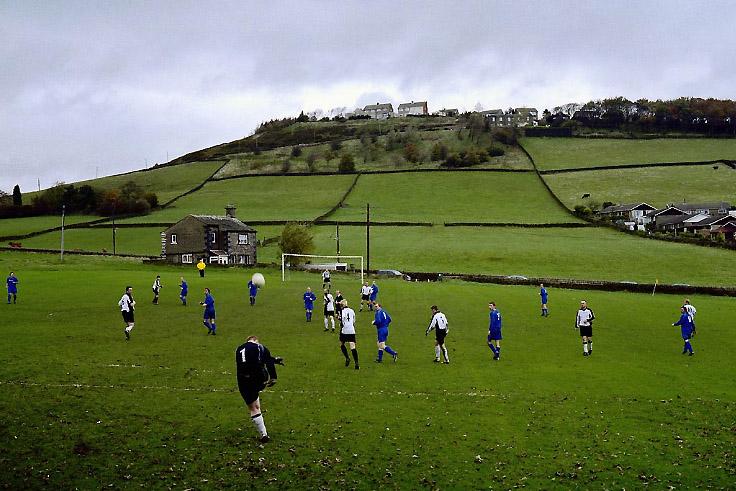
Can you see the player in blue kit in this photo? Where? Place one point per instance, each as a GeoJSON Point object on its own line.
{"type": "Point", "coordinates": [374, 296]}
{"type": "Point", "coordinates": [543, 296]}
{"type": "Point", "coordinates": [252, 291]}
{"type": "Point", "coordinates": [381, 320]}
{"type": "Point", "coordinates": [209, 312]}
{"type": "Point", "coordinates": [184, 291]}
{"type": "Point", "coordinates": [494, 331]}
{"type": "Point", "coordinates": [309, 298]}
{"type": "Point", "coordinates": [12, 284]}
{"type": "Point", "coordinates": [686, 329]}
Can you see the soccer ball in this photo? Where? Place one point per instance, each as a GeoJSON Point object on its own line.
{"type": "Point", "coordinates": [258, 280]}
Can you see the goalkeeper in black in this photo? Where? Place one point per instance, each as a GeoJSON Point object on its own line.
{"type": "Point", "coordinates": [256, 370]}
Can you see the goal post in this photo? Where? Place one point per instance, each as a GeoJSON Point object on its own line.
{"type": "Point", "coordinates": [335, 259]}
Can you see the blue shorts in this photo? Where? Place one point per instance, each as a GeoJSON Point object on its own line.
{"type": "Point", "coordinates": [209, 313]}
{"type": "Point", "coordinates": [494, 334]}
{"type": "Point", "coordinates": [308, 306]}
{"type": "Point", "coordinates": [373, 298]}
{"type": "Point", "coordinates": [544, 299]}
{"type": "Point", "coordinates": [686, 332]}
{"type": "Point", "coordinates": [382, 334]}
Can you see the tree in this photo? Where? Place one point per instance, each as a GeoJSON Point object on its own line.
{"type": "Point", "coordinates": [296, 151]}
{"type": "Point", "coordinates": [411, 152]}
{"type": "Point", "coordinates": [311, 161]}
{"type": "Point", "coordinates": [296, 239]}
{"type": "Point", "coordinates": [347, 164]}
{"type": "Point", "coordinates": [439, 151]}
{"type": "Point", "coordinates": [17, 197]}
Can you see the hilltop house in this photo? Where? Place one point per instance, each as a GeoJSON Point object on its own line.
{"type": "Point", "coordinates": [379, 111]}
{"type": "Point", "coordinates": [634, 216]}
{"type": "Point", "coordinates": [521, 116]}
{"type": "Point", "coordinates": [702, 218]}
{"type": "Point", "coordinates": [217, 239]}
{"type": "Point", "coordinates": [413, 109]}
{"type": "Point", "coordinates": [448, 112]}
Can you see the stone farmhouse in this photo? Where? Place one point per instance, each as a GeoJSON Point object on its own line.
{"type": "Point", "coordinates": [413, 109]}
{"type": "Point", "coordinates": [223, 240]}
{"type": "Point", "coordinates": [634, 215]}
{"type": "Point", "coordinates": [379, 111]}
{"type": "Point", "coordinates": [520, 116]}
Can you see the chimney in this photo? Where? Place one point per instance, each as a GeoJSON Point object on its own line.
{"type": "Point", "coordinates": [230, 211]}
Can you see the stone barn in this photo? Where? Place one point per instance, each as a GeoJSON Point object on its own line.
{"type": "Point", "coordinates": [221, 240]}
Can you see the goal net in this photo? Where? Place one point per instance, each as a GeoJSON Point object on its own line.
{"type": "Point", "coordinates": [320, 263]}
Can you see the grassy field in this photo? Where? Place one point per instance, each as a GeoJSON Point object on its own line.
{"type": "Point", "coordinates": [585, 253]}
{"type": "Point", "coordinates": [21, 226]}
{"type": "Point", "coordinates": [259, 198]}
{"type": "Point", "coordinates": [453, 197]}
{"type": "Point", "coordinates": [567, 153]}
{"type": "Point", "coordinates": [657, 186]}
{"type": "Point", "coordinates": [84, 409]}
{"type": "Point", "coordinates": [144, 241]}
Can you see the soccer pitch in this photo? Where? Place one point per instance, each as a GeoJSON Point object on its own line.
{"type": "Point", "coordinates": [83, 408]}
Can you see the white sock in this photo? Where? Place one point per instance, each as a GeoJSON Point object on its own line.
{"type": "Point", "coordinates": [590, 345]}
{"type": "Point", "coordinates": [444, 352]}
{"type": "Point", "coordinates": [333, 323]}
{"type": "Point", "coordinates": [585, 347]}
{"type": "Point", "coordinates": [437, 352]}
{"type": "Point", "coordinates": [260, 425]}
{"type": "Point", "coordinates": [129, 328]}
{"type": "Point", "coordinates": [325, 323]}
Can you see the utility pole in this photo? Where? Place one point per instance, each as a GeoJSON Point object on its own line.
{"type": "Point", "coordinates": [113, 229]}
{"type": "Point", "coordinates": [63, 210]}
{"type": "Point", "coordinates": [337, 238]}
{"type": "Point", "coordinates": [368, 236]}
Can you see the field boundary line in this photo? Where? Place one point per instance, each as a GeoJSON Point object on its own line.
{"type": "Point", "coordinates": [199, 186]}
{"type": "Point", "coordinates": [78, 253]}
{"type": "Point", "coordinates": [541, 178]}
{"type": "Point", "coordinates": [341, 202]}
{"type": "Point", "coordinates": [728, 163]}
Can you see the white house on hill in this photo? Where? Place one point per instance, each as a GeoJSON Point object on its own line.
{"type": "Point", "coordinates": [413, 109]}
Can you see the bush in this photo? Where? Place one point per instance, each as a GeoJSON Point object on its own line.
{"type": "Point", "coordinates": [496, 151]}
{"type": "Point", "coordinates": [506, 136]}
{"type": "Point", "coordinates": [439, 152]}
{"type": "Point", "coordinates": [311, 162]}
{"type": "Point", "coordinates": [152, 199]}
{"type": "Point", "coordinates": [285, 166]}
{"type": "Point", "coordinates": [296, 239]}
{"type": "Point", "coordinates": [411, 152]}
{"type": "Point", "coordinates": [296, 151]}
{"type": "Point", "coordinates": [347, 164]}
{"type": "Point", "coordinates": [335, 145]}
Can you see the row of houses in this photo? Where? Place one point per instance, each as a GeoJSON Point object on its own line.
{"type": "Point", "coordinates": [710, 220]}
{"type": "Point", "coordinates": [520, 116]}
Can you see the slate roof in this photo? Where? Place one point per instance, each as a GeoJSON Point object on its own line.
{"type": "Point", "coordinates": [407, 105]}
{"type": "Point", "coordinates": [377, 107]}
{"type": "Point", "coordinates": [628, 207]}
{"type": "Point", "coordinates": [224, 223]}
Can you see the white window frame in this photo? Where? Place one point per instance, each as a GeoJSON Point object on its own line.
{"type": "Point", "coordinates": [242, 239]}
{"type": "Point", "coordinates": [213, 236]}
{"type": "Point", "coordinates": [187, 259]}
{"type": "Point", "coordinates": [173, 239]}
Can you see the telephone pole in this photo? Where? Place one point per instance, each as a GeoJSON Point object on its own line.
{"type": "Point", "coordinates": [63, 210]}
{"type": "Point", "coordinates": [368, 236]}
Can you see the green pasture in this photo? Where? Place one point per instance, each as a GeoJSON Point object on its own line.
{"type": "Point", "coordinates": [584, 253]}
{"type": "Point", "coordinates": [82, 408]}
{"type": "Point", "coordinates": [453, 197]}
{"type": "Point", "coordinates": [258, 198]}
{"type": "Point", "coordinates": [167, 182]}
{"type": "Point", "coordinates": [657, 186]}
{"type": "Point", "coordinates": [567, 153]}
{"type": "Point", "coordinates": [22, 226]}
{"type": "Point", "coordinates": [144, 241]}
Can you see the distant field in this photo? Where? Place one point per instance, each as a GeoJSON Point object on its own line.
{"type": "Point", "coordinates": [21, 226]}
{"type": "Point", "coordinates": [566, 153]}
{"type": "Point", "coordinates": [589, 253]}
{"type": "Point", "coordinates": [166, 182]}
{"type": "Point", "coordinates": [140, 240]}
{"type": "Point", "coordinates": [454, 197]}
{"type": "Point", "coordinates": [84, 409]}
{"type": "Point", "coordinates": [655, 185]}
{"type": "Point", "coordinates": [259, 198]}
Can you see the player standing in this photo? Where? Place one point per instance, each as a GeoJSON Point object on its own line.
{"type": "Point", "coordinates": [584, 322]}
{"type": "Point", "coordinates": [439, 323]}
{"type": "Point", "coordinates": [691, 311]}
{"type": "Point", "coordinates": [338, 305]}
{"type": "Point", "coordinates": [326, 285]}
{"type": "Point", "coordinates": [494, 331]}
{"type": "Point", "coordinates": [347, 334]}
{"type": "Point", "coordinates": [381, 320]}
{"type": "Point", "coordinates": [543, 295]}
{"type": "Point", "coordinates": [374, 295]}
{"type": "Point", "coordinates": [12, 284]}
{"type": "Point", "coordinates": [200, 267]}
{"type": "Point", "coordinates": [209, 312]}
{"type": "Point", "coordinates": [686, 329]}
{"type": "Point", "coordinates": [184, 291]}
{"type": "Point", "coordinates": [365, 295]}
{"type": "Point", "coordinates": [309, 298]}
{"type": "Point", "coordinates": [256, 370]}
{"type": "Point", "coordinates": [156, 289]}
{"type": "Point", "coordinates": [127, 307]}
{"type": "Point", "coordinates": [329, 309]}
{"type": "Point", "coordinates": [252, 291]}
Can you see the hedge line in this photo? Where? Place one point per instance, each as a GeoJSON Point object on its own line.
{"type": "Point", "coordinates": [729, 163]}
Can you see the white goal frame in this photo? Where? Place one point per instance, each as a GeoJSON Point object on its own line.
{"type": "Point", "coordinates": [337, 258]}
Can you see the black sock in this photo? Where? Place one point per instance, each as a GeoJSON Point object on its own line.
{"type": "Point", "coordinates": [354, 351]}
{"type": "Point", "coordinates": [344, 352]}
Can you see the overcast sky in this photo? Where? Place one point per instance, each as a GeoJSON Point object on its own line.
{"type": "Point", "coordinates": [111, 86]}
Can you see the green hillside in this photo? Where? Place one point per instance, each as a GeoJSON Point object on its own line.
{"type": "Point", "coordinates": [567, 153]}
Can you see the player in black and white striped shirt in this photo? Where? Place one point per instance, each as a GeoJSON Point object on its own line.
{"type": "Point", "coordinates": [347, 334]}
{"type": "Point", "coordinates": [441, 327]}
{"type": "Point", "coordinates": [127, 308]}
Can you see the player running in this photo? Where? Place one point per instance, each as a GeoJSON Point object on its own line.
{"type": "Point", "coordinates": [381, 320]}
{"type": "Point", "coordinates": [584, 323]}
{"type": "Point", "coordinates": [309, 298]}
{"type": "Point", "coordinates": [374, 296]}
{"type": "Point", "coordinates": [543, 296]}
{"type": "Point", "coordinates": [365, 296]}
{"type": "Point", "coordinates": [209, 312]}
{"type": "Point", "coordinates": [252, 291]}
{"type": "Point", "coordinates": [326, 285]}
{"type": "Point", "coordinates": [347, 334]}
{"type": "Point", "coordinates": [494, 331]}
{"type": "Point", "coordinates": [156, 289]}
{"type": "Point", "coordinates": [691, 311]}
{"type": "Point", "coordinates": [256, 370]}
{"type": "Point", "coordinates": [127, 308]}
{"type": "Point", "coordinates": [338, 305]}
{"type": "Point", "coordinates": [329, 310]}
{"type": "Point", "coordinates": [184, 291]}
{"type": "Point", "coordinates": [439, 323]}
{"type": "Point", "coordinates": [687, 327]}
{"type": "Point", "coordinates": [12, 284]}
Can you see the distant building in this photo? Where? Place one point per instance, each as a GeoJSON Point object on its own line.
{"type": "Point", "coordinates": [448, 112]}
{"type": "Point", "coordinates": [379, 111]}
{"type": "Point", "coordinates": [634, 216]}
{"type": "Point", "coordinates": [217, 239]}
{"type": "Point", "coordinates": [525, 116]}
{"type": "Point", "coordinates": [496, 117]}
{"type": "Point", "coordinates": [521, 116]}
{"type": "Point", "coordinates": [413, 109]}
